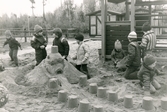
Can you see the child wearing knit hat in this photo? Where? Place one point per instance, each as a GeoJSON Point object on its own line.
{"type": "Point", "coordinates": [133, 61]}
{"type": "Point", "coordinates": [13, 45]}
{"type": "Point", "coordinates": [39, 43]}
{"type": "Point", "coordinates": [148, 42]}
{"type": "Point", "coordinates": [147, 74]}
{"type": "Point", "coordinates": [117, 53]}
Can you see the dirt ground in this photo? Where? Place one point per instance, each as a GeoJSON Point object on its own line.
{"type": "Point", "coordinates": [104, 74]}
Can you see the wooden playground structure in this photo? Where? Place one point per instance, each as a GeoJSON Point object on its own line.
{"type": "Point", "coordinates": [140, 12]}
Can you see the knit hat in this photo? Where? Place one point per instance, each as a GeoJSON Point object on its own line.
{"type": "Point", "coordinates": [57, 31]}
{"type": "Point", "coordinates": [146, 26]}
{"type": "Point", "coordinates": [37, 28]}
{"type": "Point", "coordinates": [8, 33]}
{"type": "Point", "coordinates": [79, 37]}
{"type": "Point", "coordinates": [149, 59]}
{"type": "Point", "coordinates": [118, 45]}
{"type": "Point", "coordinates": [132, 35]}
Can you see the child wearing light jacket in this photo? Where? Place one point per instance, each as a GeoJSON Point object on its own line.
{"type": "Point", "coordinates": [82, 55]}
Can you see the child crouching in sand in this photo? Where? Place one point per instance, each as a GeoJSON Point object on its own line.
{"type": "Point", "coordinates": [147, 74]}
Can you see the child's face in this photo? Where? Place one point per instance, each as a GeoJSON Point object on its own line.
{"type": "Point", "coordinates": [8, 36]}
{"type": "Point", "coordinates": [40, 33]}
{"type": "Point", "coordinates": [153, 65]}
{"type": "Point", "coordinates": [78, 41]}
{"type": "Point", "coordinates": [55, 35]}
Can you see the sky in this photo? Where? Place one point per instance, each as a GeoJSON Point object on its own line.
{"type": "Point", "coordinates": [24, 6]}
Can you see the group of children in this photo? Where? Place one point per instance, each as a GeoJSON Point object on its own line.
{"type": "Point", "coordinates": [39, 43]}
{"type": "Point", "coordinates": [140, 61]}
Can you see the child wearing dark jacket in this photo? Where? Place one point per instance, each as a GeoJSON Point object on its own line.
{"type": "Point", "coordinates": [13, 46]}
{"type": "Point", "coordinates": [61, 42]}
{"type": "Point", "coordinates": [39, 43]}
{"type": "Point", "coordinates": [117, 53]}
{"type": "Point", "coordinates": [133, 58]}
{"type": "Point", "coordinates": [147, 74]}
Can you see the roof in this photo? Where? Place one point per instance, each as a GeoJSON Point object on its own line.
{"type": "Point", "coordinates": [116, 1]}
{"type": "Point", "coordinates": [108, 12]}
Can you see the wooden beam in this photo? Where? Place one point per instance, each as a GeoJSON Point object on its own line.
{"type": "Point", "coordinates": [147, 3]}
{"type": "Point", "coordinates": [127, 10]}
{"type": "Point", "coordinates": [103, 28]}
{"type": "Point", "coordinates": [132, 15]}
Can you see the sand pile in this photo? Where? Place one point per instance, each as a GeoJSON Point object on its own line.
{"type": "Point", "coordinates": [30, 79]}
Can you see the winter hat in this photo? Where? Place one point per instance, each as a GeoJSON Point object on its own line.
{"type": "Point", "coordinates": [146, 27]}
{"type": "Point", "coordinates": [132, 35]}
{"type": "Point", "coordinates": [118, 45]}
{"type": "Point", "coordinates": [37, 28]}
{"type": "Point", "coordinates": [57, 31]}
{"type": "Point", "coordinates": [79, 37]}
{"type": "Point", "coordinates": [8, 33]}
{"type": "Point", "coordinates": [149, 59]}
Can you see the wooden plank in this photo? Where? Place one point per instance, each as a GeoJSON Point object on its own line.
{"type": "Point", "coordinates": [119, 28]}
{"type": "Point", "coordinates": [147, 3]}
{"type": "Point", "coordinates": [140, 22]}
{"type": "Point", "coordinates": [116, 23]}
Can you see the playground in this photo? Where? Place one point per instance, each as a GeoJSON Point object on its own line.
{"type": "Point", "coordinates": [56, 85]}
{"type": "Point", "coordinates": [33, 99]}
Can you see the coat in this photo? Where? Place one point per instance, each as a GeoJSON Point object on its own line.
{"type": "Point", "coordinates": [63, 46]}
{"type": "Point", "coordinates": [134, 54]}
{"type": "Point", "coordinates": [13, 43]}
{"type": "Point", "coordinates": [146, 75]}
{"type": "Point", "coordinates": [117, 55]}
{"type": "Point", "coordinates": [36, 42]}
{"type": "Point", "coordinates": [82, 53]}
{"type": "Point", "coordinates": [148, 41]}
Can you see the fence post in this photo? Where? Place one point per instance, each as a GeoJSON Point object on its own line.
{"type": "Point", "coordinates": [25, 37]}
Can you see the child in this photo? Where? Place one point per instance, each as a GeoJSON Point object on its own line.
{"type": "Point", "coordinates": [61, 42]}
{"type": "Point", "coordinates": [39, 43]}
{"type": "Point", "coordinates": [13, 47]}
{"type": "Point", "coordinates": [82, 55]}
{"type": "Point", "coordinates": [133, 58]}
{"type": "Point", "coordinates": [148, 42]}
{"type": "Point", "coordinates": [117, 53]}
{"type": "Point", "coordinates": [147, 74]}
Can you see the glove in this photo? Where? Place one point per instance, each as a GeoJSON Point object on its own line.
{"type": "Point", "coordinates": [42, 46]}
{"type": "Point", "coordinates": [79, 62]}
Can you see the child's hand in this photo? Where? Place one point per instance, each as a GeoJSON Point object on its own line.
{"type": "Point", "coordinates": [42, 46]}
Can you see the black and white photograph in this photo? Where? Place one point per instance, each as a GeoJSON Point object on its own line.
{"type": "Point", "coordinates": [83, 56]}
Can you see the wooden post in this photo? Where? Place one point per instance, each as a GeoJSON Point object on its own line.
{"type": "Point", "coordinates": [150, 13]}
{"type": "Point", "coordinates": [103, 28]}
{"type": "Point", "coordinates": [127, 10]}
{"type": "Point", "coordinates": [25, 37]}
{"type": "Point", "coordinates": [132, 15]}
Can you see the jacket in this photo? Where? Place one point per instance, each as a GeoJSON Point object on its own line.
{"type": "Point", "coordinates": [117, 55]}
{"type": "Point", "coordinates": [146, 75]}
{"type": "Point", "coordinates": [36, 42]}
{"type": "Point", "coordinates": [63, 46]}
{"type": "Point", "coordinates": [134, 56]}
{"type": "Point", "coordinates": [13, 43]}
{"type": "Point", "coordinates": [148, 41]}
{"type": "Point", "coordinates": [82, 53]}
